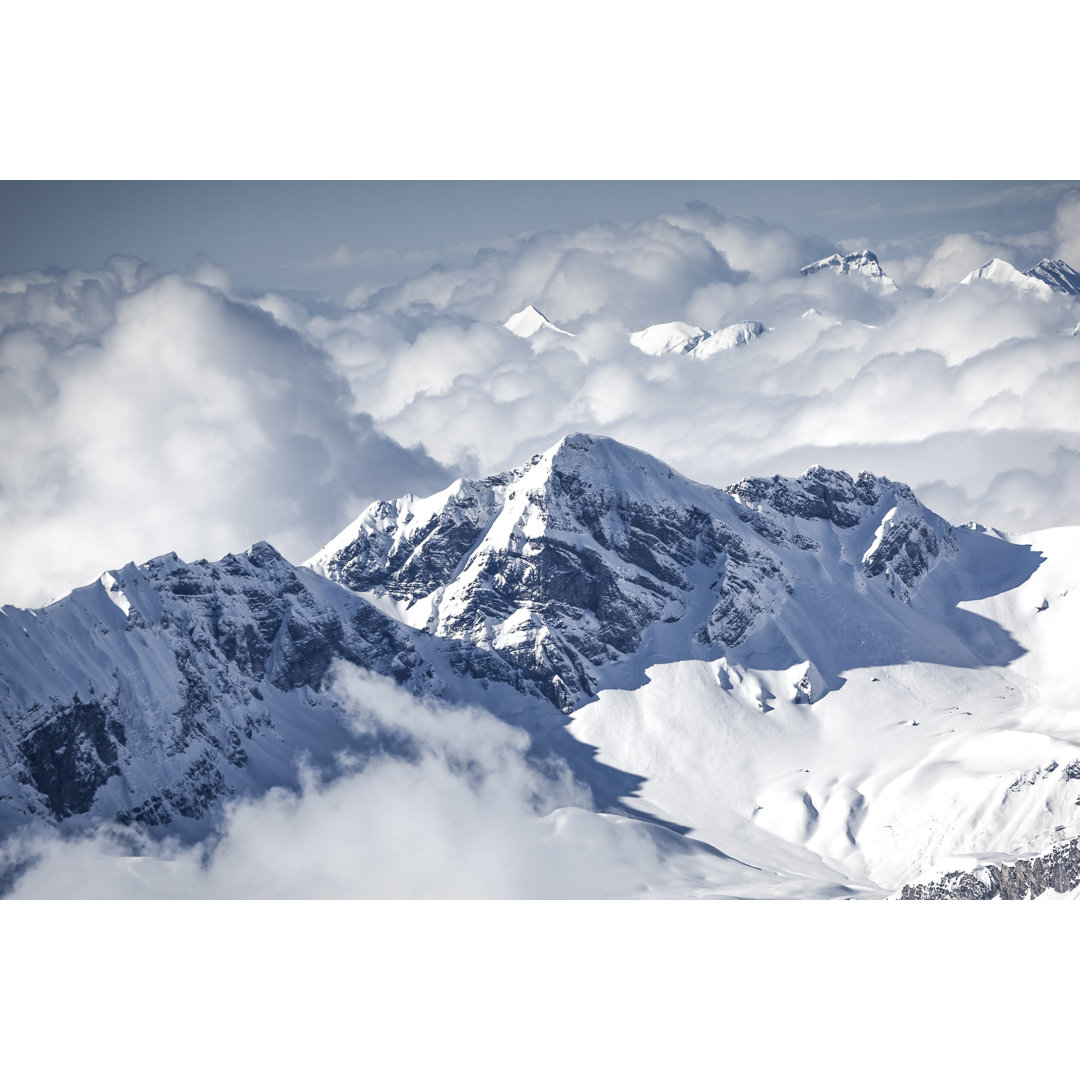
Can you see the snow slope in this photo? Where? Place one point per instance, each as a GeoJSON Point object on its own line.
{"type": "Point", "coordinates": [809, 686]}
{"type": "Point", "coordinates": [679, 337]}
{"type": "Point", "coordinates": [1001, 272]}
{"type": "Point", "coordinates": [529, 321]}
{"type": "Point", "coordinates": [906, 766]}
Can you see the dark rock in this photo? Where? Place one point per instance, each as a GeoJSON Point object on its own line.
{"type": "Point", "coordinates": [1058, 869]}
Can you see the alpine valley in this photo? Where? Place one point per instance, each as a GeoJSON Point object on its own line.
{"type": "Point", "coordinates": [789, 687]}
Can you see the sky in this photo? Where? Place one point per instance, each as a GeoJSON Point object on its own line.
{"type": "Point", "coordinates": [328, 236]}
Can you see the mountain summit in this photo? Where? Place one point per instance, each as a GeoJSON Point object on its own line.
{"type": "Point", "coordinates": [1058, 274]}
{"type": "Point", "coordinates": [566, 565]}
{"type": "Point", "coordinates": [1001, 272]}
{"type": "Point", "coordinates": [861, 265]}
{"type": "Point", "coordinates": [679, 337]}
{"type": "Point", "coordinates": [530, 321]}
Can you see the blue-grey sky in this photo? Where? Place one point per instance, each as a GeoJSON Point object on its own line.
{"type": "Point", "coordinates": [330, 235]}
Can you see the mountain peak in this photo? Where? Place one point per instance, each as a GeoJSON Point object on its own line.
{"type": "Point", "coordinates": [623, 470]}
{"type": "Point", "coordinates": [1001, 272]}
{"type": "Point", "coordinates": [531, 320]}
{"type": "Point", "coordinates": [680, 337]}
{"type": "Point", "coordinates": [555, 570]}
{"type": "Point", "coordinates": [862, 265]}
{"type": "Point", "coordinates": [1058, 274]}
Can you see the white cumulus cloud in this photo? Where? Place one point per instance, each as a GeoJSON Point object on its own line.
{"type": "Point", "coordinates": [142, 414]}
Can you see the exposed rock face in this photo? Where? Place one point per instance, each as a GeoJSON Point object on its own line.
{"type": "Point", "coordinates": [1058, 274]}
{"type": "Point", "coordinates": [143, 695]}
{"type": "Point", "coordinates": [1025, 879]}
{"type": "Point", "coordinates": [71, 754]}
{"type": "Point", "coordinates": [819, 493]}
{"type": "Point", "coordinates": [562, 566]}
{"type": "Point", "coordinates": [908, 541]}
{"type": "Point", "coordinates": [412, 547]}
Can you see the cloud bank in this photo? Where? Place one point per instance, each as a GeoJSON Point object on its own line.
{"type": "Point", "coordinates": [847, 377]}
{"type": "Point", "coordinates": [144, 413]}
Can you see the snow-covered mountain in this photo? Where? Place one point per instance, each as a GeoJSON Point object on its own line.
{"type": "Point", "coordinates": [862, 266]}
{"type": "Point", "coordinates": [149, 694]}
{"type": "Point", "coordinates": [1058, 274]}
{"type": "Point", "coordinates": [529, 321]}
{"type": "Point", "coordinates": [1004, 273]}
{"type": "Point", "coordinates": [818, 678]}
{"type": "Point", "coordinates": [679, 337]}
{"type": "Point", "coordinates": [561, 568]}
{"type": "Point", "coordinates": [1044, 279]}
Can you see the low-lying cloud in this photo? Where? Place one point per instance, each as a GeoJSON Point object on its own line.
{"type": "Point", "coordinates": [466, 811]}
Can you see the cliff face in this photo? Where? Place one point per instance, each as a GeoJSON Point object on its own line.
{"type": "Point", "coordinates": [549, 573]}
{"type": "Point", "coordinates": [1025, 879]}
{"type": "Point", "coordinates": [149, 695]}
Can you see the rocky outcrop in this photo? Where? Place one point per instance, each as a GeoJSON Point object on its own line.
{"type": "Point", "coordinates": [143, 696]}
{"type": "Point", "coordinates": [1025, 879]}
{"type": "Point", "coordinates": [563, 565]}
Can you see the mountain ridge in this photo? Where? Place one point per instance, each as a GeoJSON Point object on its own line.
{"type": "Point", "coordinates": [751, 664]}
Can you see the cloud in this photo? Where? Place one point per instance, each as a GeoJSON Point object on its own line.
{"type": "Point", "coordinates": [631, 271]}
{"type": "Point", "coordinates": [1065, 228]}
{"type": "Point", "coordinates": [341, 257]}
{"type": "Point", "coordinates": [842, 369]}
{"type": "Point", "coordinates": [955, 257]}
{"type": "Point", "coordinates": [464, 810]}
{"type": "Point", "coordinates": [144, 413]}
{"type": "Point", "coordinates": [141, 414]}
{"type": "Point", "coordinates": [1015, 195]}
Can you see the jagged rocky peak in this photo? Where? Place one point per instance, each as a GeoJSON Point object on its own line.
{"type": "Point", "coordinates": [556, 569]}
{"type": "Point", "coordinates": [862, 265]}
{"type": "Point", "coordinates": [530, 321]}
{"type": "Point", "coordinates": [908, 539]}
{"type": "Point", "coordinates": [680, 337]}
{"type": "Point", "coordinates": [145, 696]}
{"type": "Point", "coordinates": [818, 493]}
{"type": "Point", "coordinates": [1058, 274]}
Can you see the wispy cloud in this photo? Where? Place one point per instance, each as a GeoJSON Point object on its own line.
{"type": "Point", "coordinates": [391, 262]}
{"type": "Point", "coordinates": [1016, 195]}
